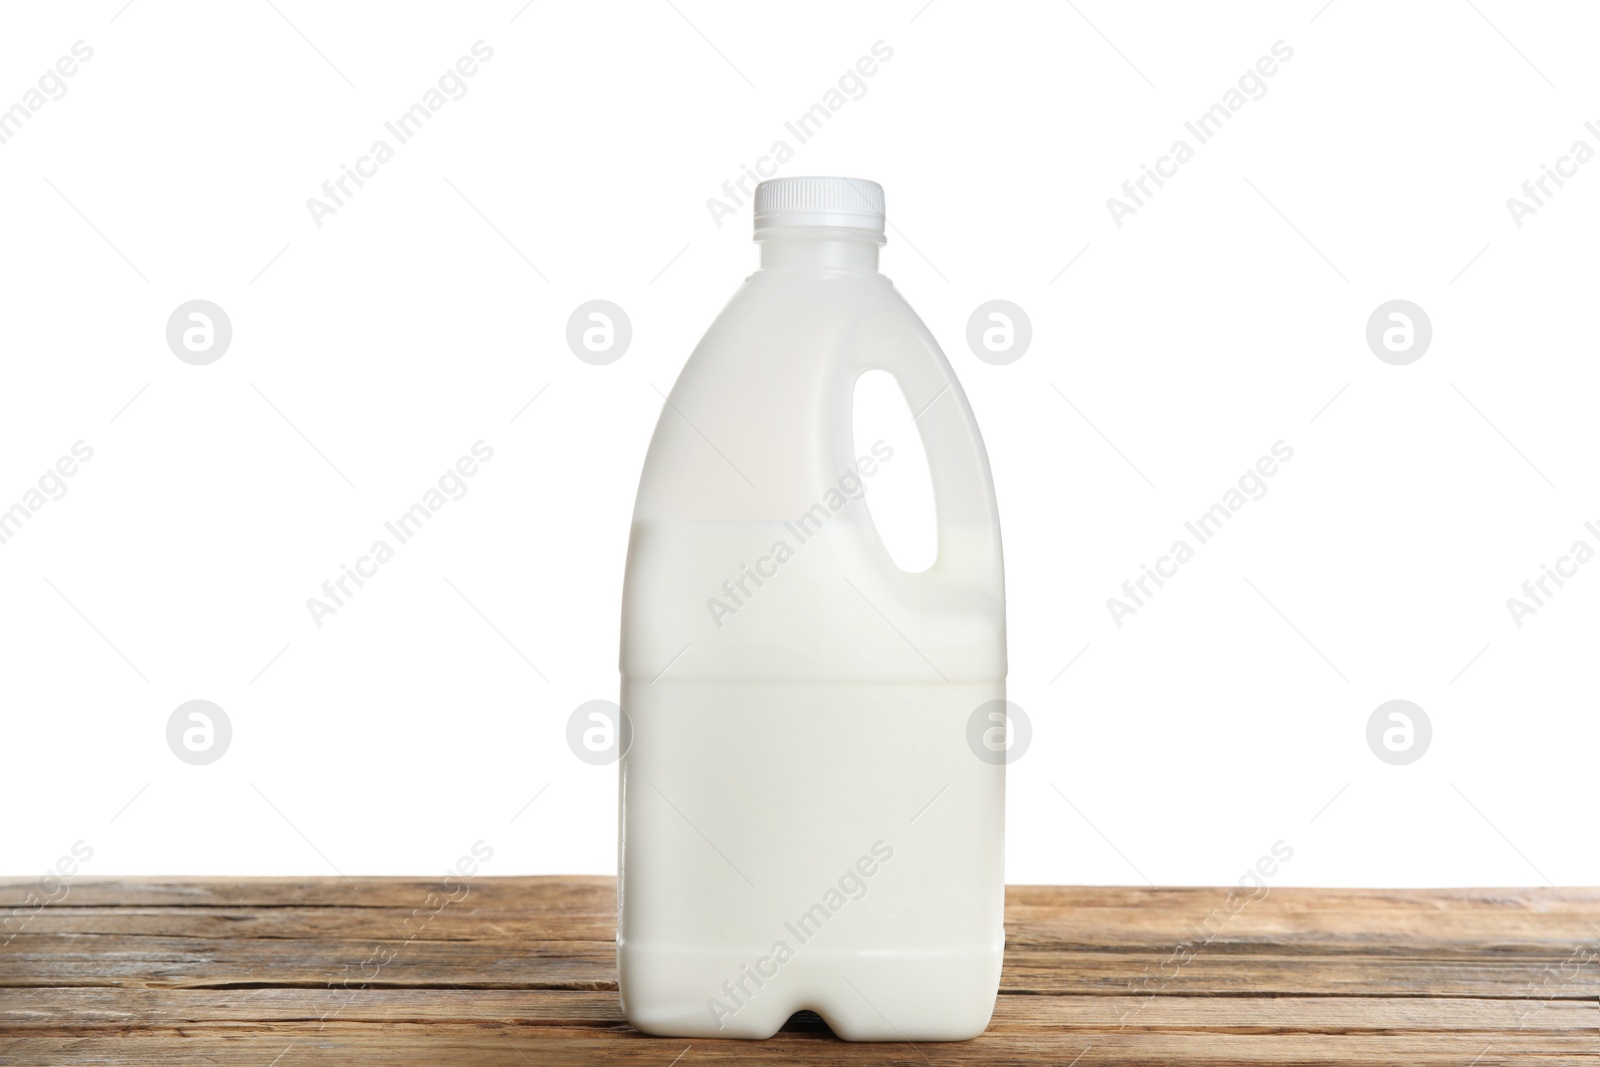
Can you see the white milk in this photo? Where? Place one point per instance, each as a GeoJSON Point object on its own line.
{"type": "Point", "coordinates": [804, 822]}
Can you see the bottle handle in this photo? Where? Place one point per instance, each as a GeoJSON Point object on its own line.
{"type": "Point", "coordinates": [967, 517]}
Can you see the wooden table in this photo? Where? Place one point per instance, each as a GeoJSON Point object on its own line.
{"type": "Point", "coordinates": [520, 971]}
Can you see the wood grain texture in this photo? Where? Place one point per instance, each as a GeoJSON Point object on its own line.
{"type": "Point", "coordinates": [521, 971]}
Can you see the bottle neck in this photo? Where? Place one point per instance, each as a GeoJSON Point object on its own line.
{"type": "Point", "coordinates": [819, 248]}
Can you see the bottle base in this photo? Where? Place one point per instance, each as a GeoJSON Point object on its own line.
{"type": "Point", "coordinates": [867, 995]}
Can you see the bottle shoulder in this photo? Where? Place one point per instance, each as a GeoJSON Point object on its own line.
{"type": "Point", "coordinates": [816, 297]}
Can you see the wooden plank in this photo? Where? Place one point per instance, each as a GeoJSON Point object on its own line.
{"type": "Point", "coordinates": [66, 959]}
{"type": "Point", "coordinates": [54, 959]}
{"type": "Point", "coordinates": [522, 971]}
{"type": "Point", "coordinates": [1104, 930]}
{"type": "Point", "coordinates": [1509, 929]}
{"type": "Point", "coordinates": [58, 1011]}
{"type": "Point", "coordinates": [1520, 920]}
{"type": "Point", "coordinates": [491, 1046]}
{"type": "Point", "coordinates": [596, 893]}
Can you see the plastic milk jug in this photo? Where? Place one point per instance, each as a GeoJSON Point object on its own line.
{"type": "Point", "coordinates": [805, 820]}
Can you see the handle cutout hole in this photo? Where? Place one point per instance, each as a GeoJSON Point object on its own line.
{"type": "Point", "coordinates": [899, 492]}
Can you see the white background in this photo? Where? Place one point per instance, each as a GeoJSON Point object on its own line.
{"type": "Point", "coordinates": [368, 354]}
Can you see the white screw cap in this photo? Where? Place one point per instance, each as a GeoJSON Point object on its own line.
{"type": "Point", "coordinates": [852, 203]}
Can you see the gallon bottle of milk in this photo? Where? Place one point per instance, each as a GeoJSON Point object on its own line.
{"type": "Point", "coordinates": [805, 823]}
